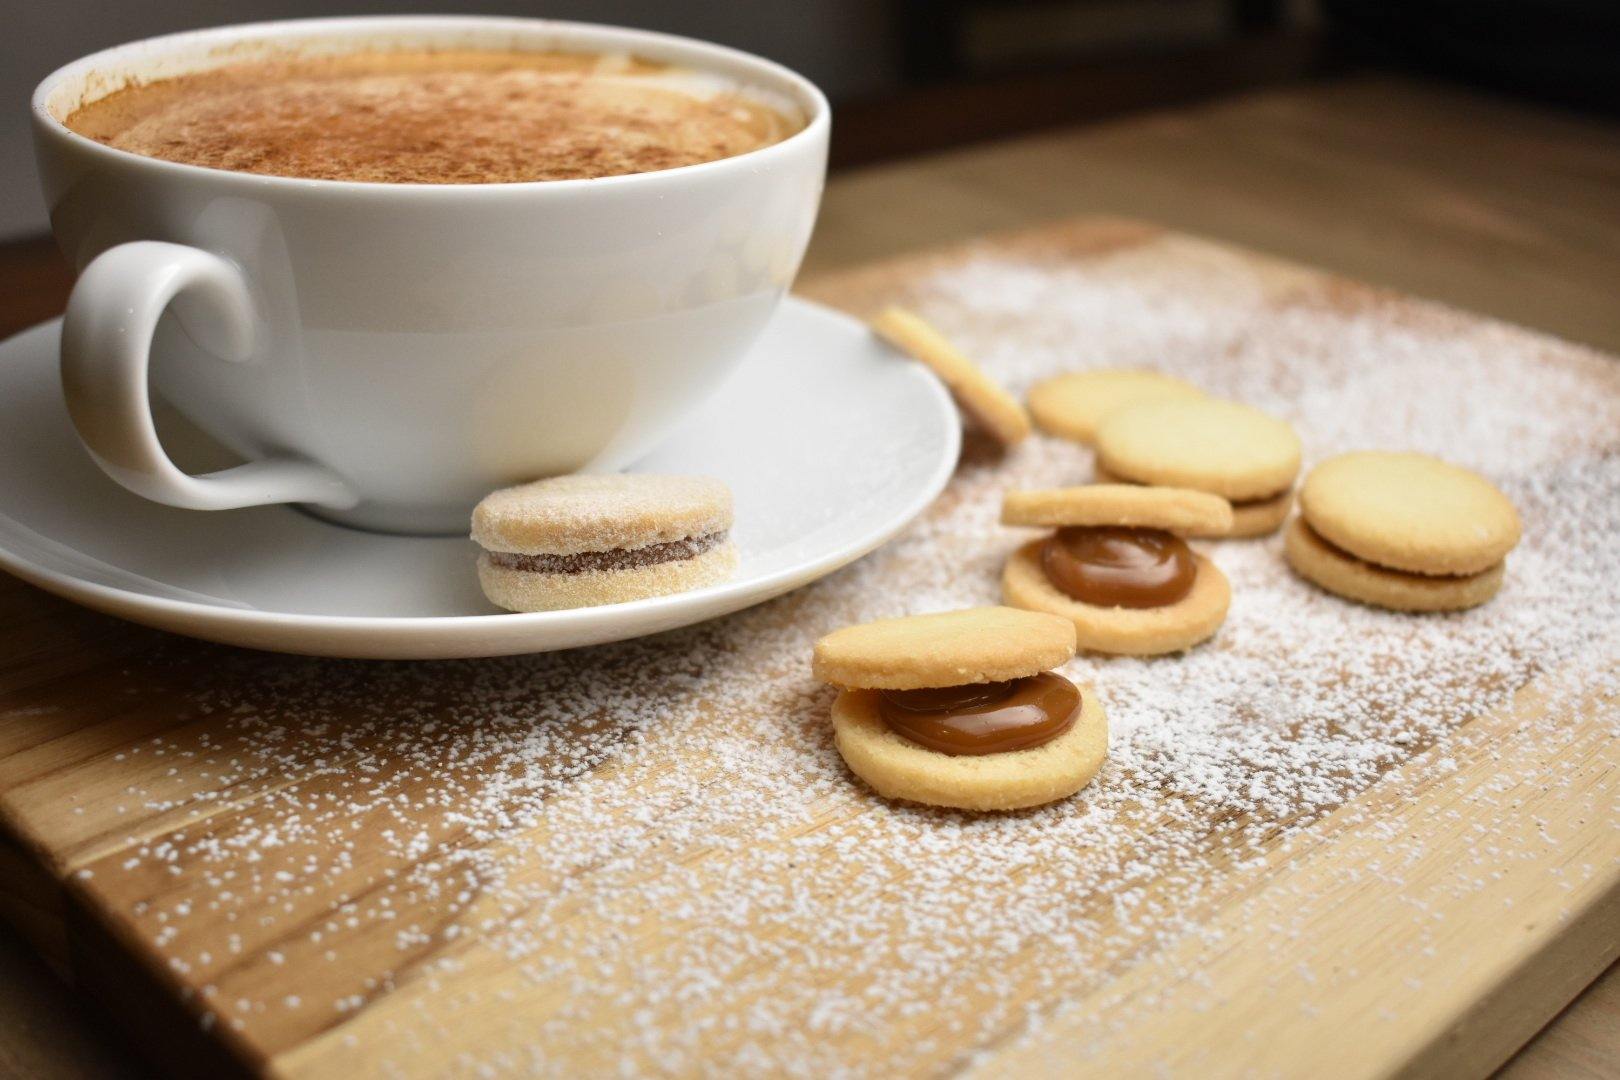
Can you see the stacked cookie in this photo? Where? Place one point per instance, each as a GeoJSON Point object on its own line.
{"type": "Point", "coordinates": [1118, 566]}
{"type": "Point", "coordinates": [1402, 531]}
{"type": "Point", "coordinates": [1220, 447]}
{"type": "Point", "coordinates": [961, 708]}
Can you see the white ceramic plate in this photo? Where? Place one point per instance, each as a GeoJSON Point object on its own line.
{"type": "Point", "coordinates": [829, 441]}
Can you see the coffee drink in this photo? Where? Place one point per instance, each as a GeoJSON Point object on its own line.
{"type": "Point", "coordinates": [437, 117]}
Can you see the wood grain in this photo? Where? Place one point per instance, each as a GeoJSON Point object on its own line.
{"type": "Point", "coordinates": [1381, 179]}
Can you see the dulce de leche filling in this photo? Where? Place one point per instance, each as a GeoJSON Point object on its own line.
{"type": "Point", "coordinates": [1113, 566]}
{"type": "Point", "coordinates": [986, 718]}
{"type": "Point", "coordinates": [613, 559]}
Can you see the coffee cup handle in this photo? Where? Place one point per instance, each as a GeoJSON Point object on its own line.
{"type": "Point", "coordinates": [106, 351]}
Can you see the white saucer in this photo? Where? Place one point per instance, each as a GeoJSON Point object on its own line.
{"type": "Point", "coordinates": [830, 444]}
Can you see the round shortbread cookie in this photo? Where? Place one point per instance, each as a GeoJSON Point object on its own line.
{"type": "Point", "coordinates": [1341, 573]}
{"type": "Point", "coordinates": [897, 768]}
{"type": "Point", "coordinates": [529, 590]}
{"type": "Point", "coordinates": [948, 648]}
{"type": "Point", "coordinates": [976, 393]}
{"type": "Point", "coordinates": [569, 515]}
{"type": "Point", "coordinates": [1206, 444]}
{"type": "Point", "coordinates": [1256, 517]}
{"type": "Point", "coordinates": [1410, 512]}
{"type": "Point", "coordinates": [1072, 405]}
{"type": "Point", "coordinates": [1175, 510]}
{"type": "Point", "coordinates": [1118, 630]}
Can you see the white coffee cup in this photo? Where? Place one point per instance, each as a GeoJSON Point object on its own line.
{"type": "Point", "coordinates": [386, 354]}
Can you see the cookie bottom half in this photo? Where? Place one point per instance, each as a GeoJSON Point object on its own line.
{"type": "Point", "coordinates": [531, 590]}
{"type": "Point", "coordinates": [1342, 574]}
{"type": "Point", "coordinates": [1119, 630]}
{"type": "Point", "coordinates": [897, 768]}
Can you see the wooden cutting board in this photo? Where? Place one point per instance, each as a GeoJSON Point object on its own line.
{"type": "Point", "coordinates": [1333, 839]}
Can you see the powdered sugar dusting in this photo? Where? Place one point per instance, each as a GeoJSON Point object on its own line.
{"type": "Point", "coordinates": [648, 856]}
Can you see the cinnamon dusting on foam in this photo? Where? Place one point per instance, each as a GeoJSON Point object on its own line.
{"type": "Point", "coordinates": [442, 117]}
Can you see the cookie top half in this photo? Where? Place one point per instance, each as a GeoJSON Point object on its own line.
{"type": "Point", "coordinates": [568, 515]}
{"type": "Point", "coordinates": [948, 648]}
{"type": "Point", "coordinates": [1410, 512]}
{"type": "Point", "coordinates": [1072, 405]}
{"type": "Point", "coordinates": [1221, 447]}
{"type": "Point", "coordinates": [1174, 510]}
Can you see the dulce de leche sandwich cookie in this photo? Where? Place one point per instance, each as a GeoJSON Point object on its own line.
{"type": "Point", "coordinates": [959, 708]}
{"type": "Point", "coordinates": [577, 541]}
{"type": "Point", "coordinates": [1403, 531]}
{"type": "Point", "coordinates": [1117, 566]}
{"type": "Point", "coordinates": [1072, 405]}
{"type": "Point", "coordinates": [976, 393]}
{"type": "Point", "coordinates": [1221, 447]}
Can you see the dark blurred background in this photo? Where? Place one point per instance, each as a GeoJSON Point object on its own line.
{"type": "Point", "coordinates": [912, 76]}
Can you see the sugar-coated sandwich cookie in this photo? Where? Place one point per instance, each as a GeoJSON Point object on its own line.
{"type": "Point", "coordinates": [1072, 405]}
{"type": "Point", "coordinates": [1117, 566]}
{"type": "Point", "coordinates": [578, 541]}
{"type": "Point", "coordinates": [960, 709]}
{"type": "Point", "coordinates": [1403, 531]}
{"type": "Point", "coordinates": [976, 393]}
{"type": "Point", "coordinates": [1221, 447]}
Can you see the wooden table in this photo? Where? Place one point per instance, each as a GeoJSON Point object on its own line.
{"type": "Point", "coordinates": [1482, 204]}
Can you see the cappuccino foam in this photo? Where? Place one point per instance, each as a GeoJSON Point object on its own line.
{"type": "Point", "coordinates": [447, 117]}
